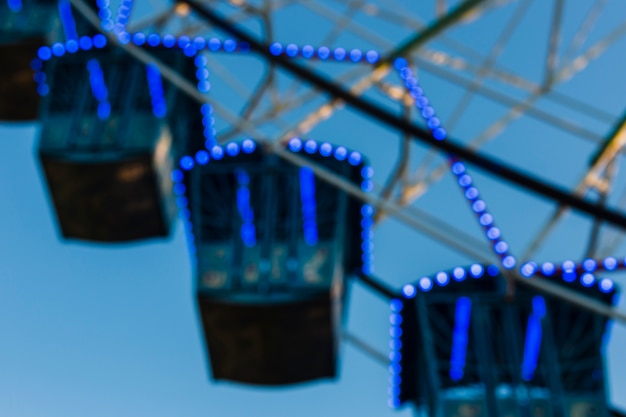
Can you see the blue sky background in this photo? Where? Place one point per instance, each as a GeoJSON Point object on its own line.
{"type": "Point", "coordinates": [92, 330]}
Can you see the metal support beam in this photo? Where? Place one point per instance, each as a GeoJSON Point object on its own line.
{"type": "Point", "coordinates": [488, 165]}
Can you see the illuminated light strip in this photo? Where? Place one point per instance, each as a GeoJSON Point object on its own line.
{"type": "Point", "coordinates": [307, 197]}
{"type": "Point", "coordinates": [15, 5]}
{"type": "Point", "coordinates": [395, 354]}
{"type": "Point", "coordinates": [204, 86]}
{"type": "Point", "coordinates": [248, 231]}
{"type": "Point", "coordinates": [105, 15]}
{"type": "Point", "coordinates": [121, 20]}
{"type": "Point", "coordinates": [155, 86]}
{"type": "Point", "coordinates": [324, 53]}
{"type": "Point", "coordinates": [532, 344]}
{"type": "Point", "coordinates": [99, 88]}
{"type": "Point", "coordinates": [465, 181]}
{"type": "Point", "coordinates": [460, 337]}
{"type": "Point", "coordinates": [67, 20]}
{"type": "Point", "coordinates": [39, 77]}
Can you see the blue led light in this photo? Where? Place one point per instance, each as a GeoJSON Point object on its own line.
{"type": "Point", "coordinates": [43, 89]}
{"type": "Point", "coordinates": [309, 210]}
{"type": "Point", "coordinates": [395, 332]}
{"type": "Point", "coordinates": [67, 20]}
{"type": "Point", "coordinates": [186, 162]}
{"type": "Point", "coordinates": [199, 42]}
{"type": "Point", "coordinates": [409, 291]}
{"type": "Point", "coordinates": [428, 112]}
{"type": "Point", "coordinates": [458, 168]}
{"type": "Point", "coordinates": [182, 202]}
{"type": "Point", "coordinates": [155, 87]}
{"type": "Point", "coordinates": [396, 344]}
{"type": "Point", "coordinates": [179, 189]}
{"type": "Point", "coordinates": [440, 133]}
{"type": "Point", "coordinates": [230, 45]}
{"type": "Point", "coordinates": [425, 284]}
{"type": "Point", "coordinates": [99, 88]}
{"type": "Point", "coordinates": [532, 343]}
{"type": "Point", "coordinates": [479, 206]}
{"type": "Point", "coordinates": [15, 5]}
{"type": "Point", "coordinates": [154, 39]}
{"type": "Point", "coordinates": [458, 273]}
{"type": "Point", "coordinates": [569, 276]}
{"type": "Point", "coordinates": [326, 149]}
{"type": "Point", "coordinates": [372, 57]}
{"type": "Point", "coordinates": [493, 233]}
{"type": "Point", "coordinates": [465, 180]}
{"type": "Point", "coordinates": [401, 64]}
{"type": "Point", "coordinates": [177, 175]}
{"type": "Point", "coordinates": [310, 146]}
{"type": "Point", "coordinates": [58, 49]}
{"type": "Point", "coordinates": [202, 157]}
{"type": "Point", "coordinates": [99, 41]}
{"type": "Point", "coordinates": [308, 51]}
{"type": "Point", "coordinates": [356, 55]}
{"type": "Point", "coordinates": [528, 269]}
{"type": "Point", "coordinates": [587, 279]}
{"type": "Point", "coordinates": [433, 122]}
{"type": "Point", "coordinates": [248, 146]}
{"type": "Point", "coordinates": [610, 263]}
{"type": "Point", "coordinates": [232, 149]}
{"type": "Point", "coordinates": [183, 41]}
{"type": "Point", "coordinates": [493, 270]}
{"type": "Point", "coordinates": [190, 50]}
{"type": "Point", "coordinates": [471, 193]}
{"type": "Point", "coordinates": [395, 305]}
{"type": "Point", "coordinates": [276, 49]}
{"type": "Point", "coordinates": [590, 265]}
{"type": "Point", "coordinates": [508, 262]}
{"type": "Point", "coordinates": [367, 172]}
{"type": "Point", "coordinates": [341, 153]}
{"type": "Point", "coordinates": [215, 44]}
{"type": "Point", "coordinates": [323, 53]}
{"type": "Point", "coordinates": [568, 266]}
{"type": "Point", "coordinates": [44, 53]}
{"type": "Point", "coordinates": [169, 41]}
{"type": "Point", "coordinates": [460, 337]}
{"type": "Point", "coordinates": [139, 38]}
{"type": "Point", "coordinates": [295, 144]}
{"type": "Point", "coordinates": [476, 270]}
{"type": "Point", "coordinates": [486, 219]}
{"type": "Point", "coordinates": [442, 278]}
{"type": "Point", "coordinates": [339, 54]}
{"type": "Point", "coordinates": [548, 268]}
{"type": "Point", "coordinates": [248, 230]}
{"type": "Point", "coordinates": [217, 152]}
{"type": "Point", "coordinates": [291, 50]}
{"type": "Point", "coordinates": [395, 319]}
{"type": "Point", "coordinates": [355, 158]}
{"type": "Point", "coordinates": [606, 285]}
{"type": "Point", "coordinates": [71, 46]}
{"type": "Point", "coordinates": [501, 247]}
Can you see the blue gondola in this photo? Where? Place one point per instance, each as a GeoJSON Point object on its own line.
{"type": "Point", "coordinates": [107, 143]}
{"type": "Point", "coordinates": [273, 245]}
{"type": "Point", "coordinates": [462, 345]}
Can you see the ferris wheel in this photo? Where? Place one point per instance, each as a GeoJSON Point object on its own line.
{"type": "Point", "coordinates": [508, 91]}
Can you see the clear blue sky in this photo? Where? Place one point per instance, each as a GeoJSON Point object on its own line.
{"type": "Point", "coordinates": [89, 330]}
